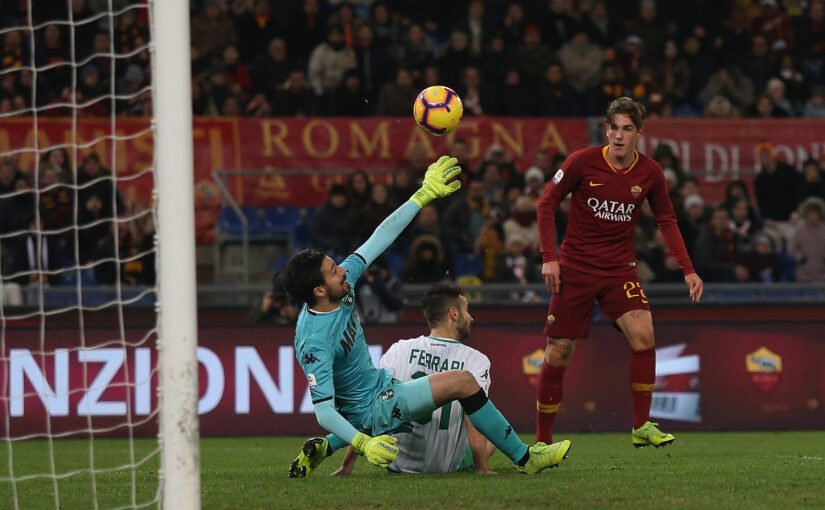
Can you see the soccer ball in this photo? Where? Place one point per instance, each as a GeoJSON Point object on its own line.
{"type": "Point", "coordinates": [438, 110]}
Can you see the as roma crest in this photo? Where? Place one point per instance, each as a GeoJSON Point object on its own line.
{"type": "Point", "coordinates": [636, 191]}
{"type": "Point", "coordinates": [765, 367]}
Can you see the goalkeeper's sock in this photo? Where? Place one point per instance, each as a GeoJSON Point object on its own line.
{"type": "Point", "coordinates": [334, 443]}
{"type": "Point", "coordinates": [549, 393]}
{"type": "Point", "coordinates": [488, 420]}
{"type": "Point", "coordinates": [642, 379]}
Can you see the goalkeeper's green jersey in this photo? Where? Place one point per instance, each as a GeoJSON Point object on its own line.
{"type": "Point", "coordinates": [328, 343]}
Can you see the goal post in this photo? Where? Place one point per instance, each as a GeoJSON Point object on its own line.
{"type": "Point", "coordinates": [177, 306]}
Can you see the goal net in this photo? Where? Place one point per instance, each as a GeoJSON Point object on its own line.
{"type": "Point", "coordinates": [98, 370]}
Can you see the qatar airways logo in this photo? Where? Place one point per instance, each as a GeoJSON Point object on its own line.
{"type": "Point", "coordinates": [610, 209]}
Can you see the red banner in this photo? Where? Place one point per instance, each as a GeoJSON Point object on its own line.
{"type": "Point", "coordinates": [713, 150]}
{"type": "Point", "coordinates": [717, 377]}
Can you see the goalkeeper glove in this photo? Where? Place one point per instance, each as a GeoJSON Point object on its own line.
{"type": "Point", "coordinates": [435, 181]}
{"type": "Point", "coordinates": [379, 450]}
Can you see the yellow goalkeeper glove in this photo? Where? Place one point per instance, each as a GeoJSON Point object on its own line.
{"type": "Point", "coordinates": [435, 181]}
{"type": "Point", "coordinates": [379, 450]}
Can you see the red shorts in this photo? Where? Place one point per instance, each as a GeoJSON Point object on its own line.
{"type": "Point", "coordinates": [571, 307]}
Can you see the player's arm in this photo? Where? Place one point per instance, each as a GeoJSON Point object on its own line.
{"type": "Point", "coordinates": [479, 447]}
{"type": "Point", "coordinates": [666, 219]}
{"type": "Point", "coordinates": [347, 463]}
{"type": "Point", "coordinates": [440, 181]}
{"type": "Point", "coordinates": [562, 183]}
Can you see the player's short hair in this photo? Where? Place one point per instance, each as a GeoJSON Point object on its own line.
{"type": "Point", "coordinates": [438, 300]}
{"type": "Point", "coordinates": [302, 274]}
{"type": "Point", "coordinates": [624, 105]}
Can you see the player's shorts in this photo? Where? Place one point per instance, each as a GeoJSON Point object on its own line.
{"type": "Point", "coordinates": [571, 307]}
{"type": "Point", "coordinates": [468, 464]}
{"type": "Point", "coordinates": [398, 404]}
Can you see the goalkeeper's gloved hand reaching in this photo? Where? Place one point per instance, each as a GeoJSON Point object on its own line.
{"type": "Point", "coordinates": [378, 450]}
{"type": "Point", "coordinates": [436, 181]}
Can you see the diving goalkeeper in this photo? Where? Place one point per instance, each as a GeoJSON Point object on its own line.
{"type": "Point", "coordinates": [358, 403]}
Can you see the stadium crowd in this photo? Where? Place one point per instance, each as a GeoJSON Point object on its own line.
{"type": "Point", "coordinates": [719, 59]}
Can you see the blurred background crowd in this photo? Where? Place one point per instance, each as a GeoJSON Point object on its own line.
{"type": "Point", "coordinates": [711, 58]}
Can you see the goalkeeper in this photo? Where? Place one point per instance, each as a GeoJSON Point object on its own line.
{"type": "Point", "coordinates": [358, 403]}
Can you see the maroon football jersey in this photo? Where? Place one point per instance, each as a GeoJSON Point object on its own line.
{"type": "Point", "coordinates": [604, 208]}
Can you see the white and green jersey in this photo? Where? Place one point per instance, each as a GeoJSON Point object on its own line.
{"type": "Point", "coordinates": [437, 446]}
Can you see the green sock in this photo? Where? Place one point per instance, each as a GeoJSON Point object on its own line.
{"type": "Point", "coordinates": [495, 427]}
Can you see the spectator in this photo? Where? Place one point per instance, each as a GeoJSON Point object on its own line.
{"type": "Point", "coordinates": [815, 106]}
{"type": "Point", "coordinates": [92, 220]}
{"type": "Point", "coordinates": [16, 212]}
{"type": "Point", "coordinates": [533, 56]}
{"type": "Point", "coordinates": [379, 294]}
{"type": "Point", "coordinates": [762, 261]}
{"type": "Point", "coordinates": [240, 84]}
{"type": "Point", "coordinates": [351, 99]}
{"type": "Point", "coordinates": [765, 108]}
{"type": "Point", "coordinates": [271, 71]}
{"type": "Point", "coordinates": [212, 31]}
{"type": "Point", "coordinates": [775, 26]}
{"type": "Point", "coordinates": [415, 51]}
{"type": "Point", "coordinates": [512, 26]}
{"type": "Point", "coordinates": [610, 87]}
{"type": "Point", "coordinates": [582, 60]}
{"type": "Point", "coordinates": [739, 221]}
{"type": "Point", "coordinates": [674, 74]}
{"type": "Point", "coordinates": [558, 25]}
{"type": "Point", "coordinates": [664, 155]}
{"type": "Point", "coordinates": [718, 250]}
{"type": "Point", "coordinates": [812, 182]}
{"type": "Point", "coordinates": [497, 61]}
{"type": "Point", "coordinates": [651, 31]}
{"type": "Point", "coordinates": [807, 246]}
{"type": "Point", "coordinates": [375, 211]}
{"type": "Point", "coordinates": [455, 57]}
{"type": "Point", "coordinates": [130, 271]}
{"type": "Point", "coordinates": [397, 98]}
{"type": "Point", "coordinates": [514, 265]}
{"type": "Point", "coordinates": [385, 25]}
{"type": "Point", "coordinates": [295, 97]}
{"type": "Point", "coordinates": [333, 226]}
{"type": "Point", "coordinates": [476, 26]}
{"type": "Point", "coordinates": [811, 40]}
{"type": "Point", "coordinates": [758, 64]}
{"type": "Point", "coordinates": [56, 213]}
{"type": "Point", "coordinates": [329, 61]}
{"type": "Point", "coordinates": [490, 243]}
{"type": "Point", "coordinates": [476, 97]}
{"type": "Point", "coordinates": [465, 218]}
{"type": "Point", "coordinates": [796, 89]}
{"type": "Point", "coordinates": [534, 183]}
{"type": "Point", "coordinates": [720, 107]}
{"type": "Point", "coordinates": [276, 308]}
{"type": "Point", "coordinates": [426, 260]}
{"type": "Point", "coordinates": [373, 61]}
{"type": "Point", "coordinates": [58, 160]}
{"type": "Point", "coordinates": [96, 179]}
{"type": "Point", "coordinates": [661, 261]}
{"type": "Point", "coordinates": [732, 83]}
{"type": "Point", "coordinates": [403, 187]}
{"type": "Point", "coordinates": [776, 193]}
{"type": "Point", "coordinates": [513, 97]}
{"type": "Point", "coordinates": [692, 220]}
{"type": "Point", "coordinates": [737, 190]}
{"type": "Point", "coordinates": [522, 223]}
{"type": "Point", "coordinates": [358, 190]}
{"type": "Point", "coordinates": [255, 29]}
{"type": "Point", "coordinates": [702, 66]}
{"type": "Point", "coordinates": [307, 31]}
{"type": "Point", "coordinates": [345, 18]}
{"type": "Point", "coordinates": [557, 98]}
{"type": "Point", "coordinates": [494, 183]}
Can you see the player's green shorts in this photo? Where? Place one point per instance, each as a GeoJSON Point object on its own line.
{"type": "Point", "coordinates": [398, 404]}
{"type": "Point", "coordinates": [468, 464]}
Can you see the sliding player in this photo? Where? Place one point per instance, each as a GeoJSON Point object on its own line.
{"type": "Point", "coordinates": [448, 442]}
{"type": "Point", "coordinates": [358, 403]}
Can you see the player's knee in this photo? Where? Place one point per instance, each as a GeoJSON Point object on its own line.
{"type": "Point", "coordinates": [643, 339]}
{"type": "Point", "coordinates": [558, 351]}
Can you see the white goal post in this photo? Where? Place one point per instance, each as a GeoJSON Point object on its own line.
{"type": "Point", "coordinates": [178, 366]}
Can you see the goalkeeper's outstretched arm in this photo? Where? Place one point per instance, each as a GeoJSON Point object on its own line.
{"type": "Point", "coordinates": [440, 181]}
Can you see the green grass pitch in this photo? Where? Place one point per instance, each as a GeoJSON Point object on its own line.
{"type": "Point", "coordinates": [770, 470]}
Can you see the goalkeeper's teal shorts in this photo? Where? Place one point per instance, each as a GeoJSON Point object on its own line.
{"type": "Point", "coordinates": [398, 404]}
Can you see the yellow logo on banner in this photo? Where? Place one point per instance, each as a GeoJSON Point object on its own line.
{"type": "Point", "coordinates": [531, 364]}
{"type": "Point", "coordinates": [763, 361]}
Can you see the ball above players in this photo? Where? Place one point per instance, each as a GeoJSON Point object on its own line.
{"type": "Point", "coordinates": [438, 110]}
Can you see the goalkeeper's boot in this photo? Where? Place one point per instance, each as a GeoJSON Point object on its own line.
{"type": "Point", "coordinates": [649, 434]}
{"type": "Point", "coordinates": [543, 456]}
{"type": "Point", "coordinates": [313, 452]}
